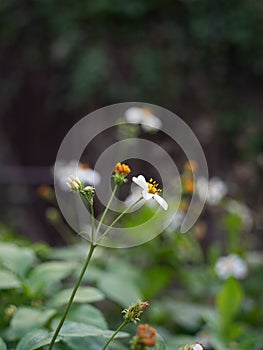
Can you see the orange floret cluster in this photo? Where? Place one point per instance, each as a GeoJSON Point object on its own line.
{"type": "Point", "coordinates": [146, 335]}
{"type": "Point", "coordinates": [122, 169]}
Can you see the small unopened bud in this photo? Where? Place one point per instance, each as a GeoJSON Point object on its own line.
{"type": "Point", "coordinates": [74, 183]}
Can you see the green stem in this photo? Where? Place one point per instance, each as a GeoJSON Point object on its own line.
{"type": "Point", "coordinates": [92, 222]}
{"type": "Point", "coordinates": [107, 208]}
{"type": "Point", "coordinates": [115, 333]}
{"type": "Point", "coordinates": [84, 268]}
{"type": "Point", "coordinates": [118, 218]}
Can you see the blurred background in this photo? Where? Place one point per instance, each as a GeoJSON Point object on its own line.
{"type": "Point", "coordinates": [63, 60]}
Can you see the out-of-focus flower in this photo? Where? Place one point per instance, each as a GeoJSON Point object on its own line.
{"type": "Point", "coordinates": [231, 266]}
{"type": "Point", "coordinates": [81, 171]}
{"type": "Point", "coordinates": [145, 336]}
{"type": "Point", "coordinates": [133, 313]}
{"type": "Point", "coordinates": [198, 346]}
{"type": "Point", "coordinates": [120, 173]}
{"type": "Point", "coordinates": [150, 190]}
{"type": "Point", "coordinates": [217, 189]}
{"type": "Point", "coordinates": [191, 165]}
{"type": "Point", "coordinates": [53, 215]}
{"type": "Point", "coordinates": [45, 192]}
{"type": "Point", "coordinates": [143, 116]}
{"type": "Point", "coordinates": [10, 311]}
{"type": "Point", "coordinates": [240, 209]}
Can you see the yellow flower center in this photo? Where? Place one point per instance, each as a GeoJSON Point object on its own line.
{"type": "Point", "coordinates": [152, 187]}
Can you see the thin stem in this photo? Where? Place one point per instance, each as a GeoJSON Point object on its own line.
{"type": "Point", "coordinates": [107, 208]}
{"type": "Point", "coordinates": [84, 268]}
{"type": "Point", "coordinates": [92, 222]}
{"type": "Point", "coordinates": [115, 333]}
{"type": "Point", "coordinates": [118, 218]}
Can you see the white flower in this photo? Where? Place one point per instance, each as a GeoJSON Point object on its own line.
{"type": "Point", "coordinates": [217, 189]}
{"type": "Point", "coordinates": [231, 265]}
{"type": "Point", "coordinates": [240, 209]}
{"type": "Point", "coordinates": [149, 190]}
{"type": "Point", "coordinates": [143, 116]}
{"type": "Point", "coordinates": [197, 347]}
{"type": "Point", "coordinates": [136, 193]}
{"type": "Point", "coordinates": [73, 168]}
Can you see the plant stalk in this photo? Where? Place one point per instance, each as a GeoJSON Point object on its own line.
{"type": "Point", "coordinates": [84, 268]}
{"type": "Point", "coordinates": [115, 333]}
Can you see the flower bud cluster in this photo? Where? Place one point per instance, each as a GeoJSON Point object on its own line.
{"type": "Point", "coordinates": [133, 312]}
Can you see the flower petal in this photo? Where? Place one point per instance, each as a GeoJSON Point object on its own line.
{"type": "Point", "coordinates": [150, 122]}
{"type": "Point", "coordinates": [133, 115]}
{"type": "Point", "coordinates": [146, 195]}
{"type": "Point", "coordinates": [161, 201]}
{"type": "Point", "coordinates": [140, 181]}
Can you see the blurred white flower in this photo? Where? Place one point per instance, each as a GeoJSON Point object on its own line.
{"type": "Point", "coordinates": [78, 170]}
{"type": "Point", "coordinates": [240, 209]}
{"type": "Point", "coordinates": [143, 116]}
{"type": "Point", "coordinates": [231, 265]}
{"type": "Point", "coordinates": [197, 347]}
{"type": "Point", "coordinates": [217, 189]}
{"type": "Point", "coordinates": [150, 190]}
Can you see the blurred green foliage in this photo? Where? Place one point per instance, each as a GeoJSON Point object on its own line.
{"type": "Point", "coordinates": [107, 51]}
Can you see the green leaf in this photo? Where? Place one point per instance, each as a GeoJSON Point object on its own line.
{"type": "Point", "coordinates": [160, 343]}
{"type": "Point", "coordinates": [2, 345]}
{"type": "Point", "coordinates": [35, 340]}
{"type": "Point", "coordinates": [90, 343]}
{"type": "Point", "coordinates": [87, 314]}
{"type": "Point", "coordinates": [229, 299]}
{"type": "Point", "coordinates": [8, 280]}
{"type": "Point", "coordinates": [15, 258]}
{"type": "Point", "coordinates": [80, 330]}
{"type": "Point", "coordinates": [46, 274]}
{"type": "Point", "coordinates": [119, 289]}
{"type": "Point", "coordinates": [83, 295]}
{"type": "Point", "coordinates": [185, 314]}
{"type": "Point", "coordinates": [27, 319]}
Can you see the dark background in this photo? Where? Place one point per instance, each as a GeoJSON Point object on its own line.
{"type": "Point", "coordinates": [60, 60]}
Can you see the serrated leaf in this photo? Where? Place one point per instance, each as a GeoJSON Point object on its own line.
{"type": "Point", "coordinates": [35, 340]}
{"type": "Point", "coordinates": [15, 258]}
{"type": "Point", "coordinates": [27, 318]}
{"type": "Point", "coordinates": [83, 295]}
{"type": "Point", "coordinates": [8, 280]}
